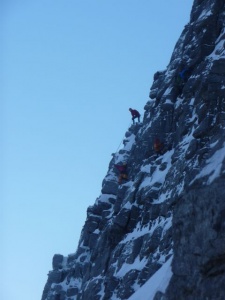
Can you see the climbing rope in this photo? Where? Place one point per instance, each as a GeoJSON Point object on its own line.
{"type": "Point", "coordinates": [122, 138]}
{"type": "Point", "coordinates": [119, 146]}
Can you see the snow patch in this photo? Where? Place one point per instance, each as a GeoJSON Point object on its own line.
{"type": "Point", "coordinates": [204, 14]}
{"type": "Point", "coordinates": [138, 231]}
{"type": "Point", "coordinates": [158, 282]}
{"type": "Point", "coordinates": [213, 167]}
{"type": "Point", "coordinates": [158, 175]}
{"type": "Point", "coordinates": [137, 265]}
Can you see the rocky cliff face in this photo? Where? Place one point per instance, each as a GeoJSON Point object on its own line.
{"type": "Point", "coordinates": [161, 234]}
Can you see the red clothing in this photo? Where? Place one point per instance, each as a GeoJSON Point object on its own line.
{"type": "Point", "coordinates": [134, 113]}
{"type": "Point", "coordinates": [121, 168]}
{"type": "Point", "coordinates": [158, 145]}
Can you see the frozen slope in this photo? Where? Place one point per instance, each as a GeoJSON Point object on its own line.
{"type": "Point", "coordinates": [160, 235]}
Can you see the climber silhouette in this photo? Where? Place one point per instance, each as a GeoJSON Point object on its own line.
{"type": "Point", "coordinates": [123, 172]}
{"type": "Point", "coordinates": [180, 79]}
{"type": "Point", "coordinates": [135, 114]}
{"type": "Point", "coordinates": [183, 74]}
{"type": "Point", "coordinates": [158, 147]}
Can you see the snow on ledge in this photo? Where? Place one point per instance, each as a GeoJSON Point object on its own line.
{"type": "Point", "coordinates": [158, 282]}
{"type": "Point", "coordinates": [213, 167]}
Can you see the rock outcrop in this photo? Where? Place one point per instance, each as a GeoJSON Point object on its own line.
{"type": "Point", "coordinates": [170, 213]}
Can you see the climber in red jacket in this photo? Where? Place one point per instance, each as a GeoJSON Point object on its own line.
{"type": "Point", "coordinates": [158, 146]}
{"type": "Point", "coordinates": [135, 114]}
{"type": "Point", "coordinates": [122, 172]}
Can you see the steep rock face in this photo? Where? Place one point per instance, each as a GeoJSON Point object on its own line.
{"type": "Point", "coordinates": [172, 206]}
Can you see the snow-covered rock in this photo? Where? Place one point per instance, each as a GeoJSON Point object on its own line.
{"type": "Point", "coordinates": [160, 234]}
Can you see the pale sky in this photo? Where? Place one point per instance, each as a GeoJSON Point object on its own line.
{"type": "Point", "coordinates": [70, 70]}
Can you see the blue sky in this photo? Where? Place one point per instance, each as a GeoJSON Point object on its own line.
{"type": "Point", "coordinates": [69, 70]}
